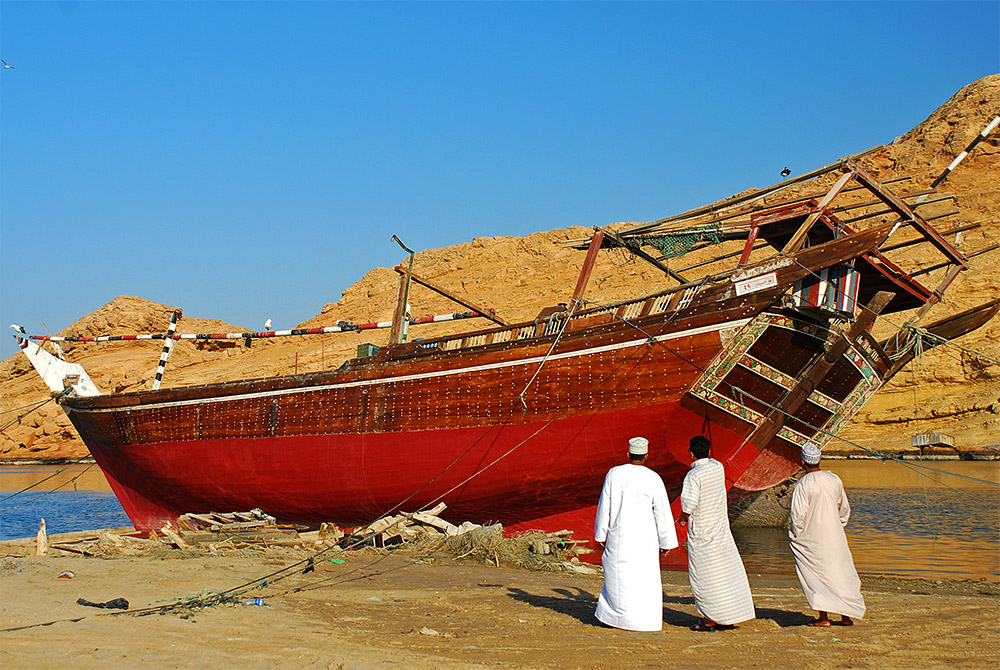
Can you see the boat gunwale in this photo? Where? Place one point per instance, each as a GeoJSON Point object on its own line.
{"type": "Point", "coordinates": [407, 354]}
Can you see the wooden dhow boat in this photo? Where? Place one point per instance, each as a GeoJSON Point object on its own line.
{"type": "Point", "coordinates": [520, 423]}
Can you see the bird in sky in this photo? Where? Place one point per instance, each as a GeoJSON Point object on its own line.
{"type": "Point", "coordinates": [6, 65]}
{"type": "Point", "coordinates": [267, 325]}
{"type": "Point", "coordinates": [786, 172]}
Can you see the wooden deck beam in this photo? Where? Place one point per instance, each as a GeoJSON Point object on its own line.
{"type": "Point", "coordinates": [899, 206]}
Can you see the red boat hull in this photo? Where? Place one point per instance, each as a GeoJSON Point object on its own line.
{"type": "Point", "coordinates": [515, 474]}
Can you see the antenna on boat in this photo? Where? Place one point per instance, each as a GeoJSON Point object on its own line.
{"type": "Point", "coordinates": [397, 334]}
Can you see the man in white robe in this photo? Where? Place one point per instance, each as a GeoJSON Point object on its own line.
{"type": "Point", "coordinates": [823, 560]}
{"type": "Point", "coordinates": [633, 522]}
{"type": "Point", "coordinates": [718, 579]}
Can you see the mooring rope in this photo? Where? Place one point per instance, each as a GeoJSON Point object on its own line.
{"type": "Point", "coordinates": [68, 481]}
{"type": "Point", "coordinates": [31, 407]}
{"type": "Point", "coordinates": [38, 405]}
{"type": "Point", "coordinates": [28, 488]}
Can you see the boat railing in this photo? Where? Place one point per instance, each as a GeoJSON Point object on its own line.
{"type": "Point", "coordinates": [543, 327]}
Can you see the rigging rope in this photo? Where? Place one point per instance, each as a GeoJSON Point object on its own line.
{"type": "Point", "coordinates": [17, 419]}
{"type": "Point", "coordinates": [881, 455]}
{"type": "Point", "coordinates": [569, 315]}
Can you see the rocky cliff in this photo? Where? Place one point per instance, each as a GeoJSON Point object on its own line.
{"type": "Point", "coordinates": [950, 389]}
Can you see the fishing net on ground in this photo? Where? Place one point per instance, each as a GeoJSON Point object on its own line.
{"type": "Point", "coordinates": [533, 550]}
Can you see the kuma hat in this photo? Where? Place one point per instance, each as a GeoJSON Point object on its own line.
{"type": "Point", "coordinates": [810, 454]}
{"type": "Point", "coordinates": [638, 446]}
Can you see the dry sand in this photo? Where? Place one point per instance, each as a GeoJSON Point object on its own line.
{"type": "Point", "coordinates": [408, 609]}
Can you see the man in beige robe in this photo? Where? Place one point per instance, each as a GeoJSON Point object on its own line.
{"type": "Point", "coordinates": [823, 560]}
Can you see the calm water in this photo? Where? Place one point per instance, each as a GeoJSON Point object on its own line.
{"type": "Point", "coordinates": [905, 519]}
{"type": "Point", "coordinates": [75, 497]}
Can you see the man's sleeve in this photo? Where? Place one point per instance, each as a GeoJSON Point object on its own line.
{"type": "Point", "coordinates": [603, 520]}
{"type": "Point", "coordinates": [689, 494]}
{"type": "Point", "coordinates": [797, 510]}
{"type": "Point", "coordinates": [842, 505]}
{"type": "Point", "coordinates": [665, 531]}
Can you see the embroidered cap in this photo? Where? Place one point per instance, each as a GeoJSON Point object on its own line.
{"type": "Point", "coordinates": [638, 446]}
{"type": "Point", "coordinates": [810, 454]}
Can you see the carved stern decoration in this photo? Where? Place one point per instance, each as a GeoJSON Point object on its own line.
{"type": "Point", "coordinates": [786, 379]}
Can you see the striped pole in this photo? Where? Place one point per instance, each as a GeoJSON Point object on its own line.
{"type": "Point", "coordinates": [341, 327]}
{"type": "Point", "coordinates": [959, 158]}
{"type": "Point", "coordinates": [947, 171]}
{"type": "Point", "coordinates": [168, 346]}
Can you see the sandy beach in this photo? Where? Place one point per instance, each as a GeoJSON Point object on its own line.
{"type": "Point", "coordinates": [414, 609]}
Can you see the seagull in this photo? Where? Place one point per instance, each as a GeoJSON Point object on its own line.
{"type": "Point", "coordinates": [786, 172]}
{"type": "Point", "coordinates": [6, 66]}
{"type": "Point", "coordinates": [267, 325]}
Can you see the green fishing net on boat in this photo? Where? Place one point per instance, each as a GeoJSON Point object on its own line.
{"type": "Point", "coordinates": [675, 245]}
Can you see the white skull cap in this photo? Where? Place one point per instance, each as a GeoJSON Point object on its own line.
{"type": "Point", "coordinates": [810, 454]}
{"type": "Point", "coordinates": [638, 446]}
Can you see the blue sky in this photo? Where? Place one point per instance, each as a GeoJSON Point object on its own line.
{"type": "Point", "coordinates": [247, 161]}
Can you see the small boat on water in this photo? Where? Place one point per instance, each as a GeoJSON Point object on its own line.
{"type": "Point", "coordinates": [518, 423]}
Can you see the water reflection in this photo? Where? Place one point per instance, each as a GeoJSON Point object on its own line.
{"type": "Point", "coordinates": [916, 474]}
{"type": "Point", "coordinates": [928, 519]}
{"type": "Point", "coordinates": [75, 477]}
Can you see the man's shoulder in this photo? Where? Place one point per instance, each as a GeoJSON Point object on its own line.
{"type": "Point", "coordinates": [819, 478]}
{"type": "Point", "coordinates": [615, 470]}
{"type": "Point", "coordinates": [636, 472]}
{"type": "Point", "coordinates": [825, 475]}
{"type": "Point", "coordinates": [705, 467]}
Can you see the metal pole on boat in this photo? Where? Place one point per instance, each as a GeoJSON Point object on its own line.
{"type": "Point", "coordinates": [400, 321]}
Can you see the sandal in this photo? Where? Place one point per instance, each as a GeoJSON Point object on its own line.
{"type": "Point", "coordinates": [700, 627]}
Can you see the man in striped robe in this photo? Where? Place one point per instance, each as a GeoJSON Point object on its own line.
{"type": "Point", "coordinates": [718, 579]}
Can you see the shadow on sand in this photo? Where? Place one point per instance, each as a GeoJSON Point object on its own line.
{"type": "Point", "coordinates": [576, 603]}
{"type": "Point", "coordinates": [581, 604]}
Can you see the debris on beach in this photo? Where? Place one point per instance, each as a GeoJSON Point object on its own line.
{"type": "Point", "coordinates": [113, 604]}
{"type": "Point", "coordinates": [256, 531]}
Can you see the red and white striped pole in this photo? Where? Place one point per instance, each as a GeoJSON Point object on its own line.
{"type": "Point", "coordinates": [343, 327]}
{"type": "Point", "coordinates": [951, 166]}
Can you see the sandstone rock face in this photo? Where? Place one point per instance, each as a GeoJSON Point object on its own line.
{"type": "Point", "coordinates": [949, 389]}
